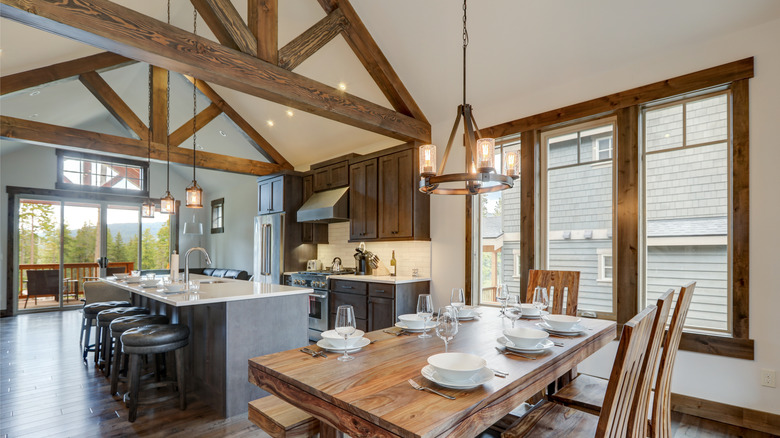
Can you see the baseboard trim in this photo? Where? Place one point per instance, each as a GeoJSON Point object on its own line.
{"type": "Point", "coordinates": [733, 415]}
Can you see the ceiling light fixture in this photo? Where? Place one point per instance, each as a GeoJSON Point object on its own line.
{"type": "Point", "coordinates": [290, 113]}
{"type": "Point", "coordinates": [342, 86]}
{"type": "Point", "coordinates": [270, 123]}
{"type": "Point", "coordinates": [481, 176]}
{"type": "Point", "coordinates": [167, 203]}
{"type": "Point", "coordinates": [147, 208]}
{"type": "Point", "coordinates": [194, 194]}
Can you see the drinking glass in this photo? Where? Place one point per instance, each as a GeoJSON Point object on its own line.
{"type": "Point", "coordinates": [447, 324]}
{"type": "Point", "coordinates": [457, 300]}
{"type": "Point", "coordinates": [194, 286]}
{"type": "Point", "coordinates": [135, 273]}
{"type": "Point", "coordinates": [502, 295]}
{"type": "Point", "coordinates": [345, 326]}
{"type": "Point", "coordinates": [425, 311]}
{"type": "Point", "coordinates": [540, 300]}
{"type": "Point", "coordinates": [513, 310]}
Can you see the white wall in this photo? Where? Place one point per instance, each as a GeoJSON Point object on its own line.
{"type": "Point", "coordinates": [725, 380]}
{"type": "Point", "coordinates": [36, 166]}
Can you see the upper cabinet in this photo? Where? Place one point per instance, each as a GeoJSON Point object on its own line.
{"type": "Point", "coordinates": [396, 195]}
{"type": "Point", "coordinates": [270, 195]}
{"type": "Point", "coordinates": [363, 179]}
{"type": "Point", "coordinates": [331, 177]}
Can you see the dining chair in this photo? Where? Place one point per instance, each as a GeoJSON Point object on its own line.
{"type": "Point", "coordinates": [115, 270]}
{"type": "Point", "coordinates": [587, 392]}
{"type": "Point", "coordinates": [556, 282]}
{"type": "Point", "coordinates": [41, 283]}
{"type": "Point", "coordinates": [620, 403]}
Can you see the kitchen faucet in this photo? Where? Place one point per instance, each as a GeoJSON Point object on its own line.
{"type": "Point", "coordinates": [187, 262]}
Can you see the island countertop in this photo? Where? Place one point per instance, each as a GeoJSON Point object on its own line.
{"type": "Point", "coordinates": [227, 289]}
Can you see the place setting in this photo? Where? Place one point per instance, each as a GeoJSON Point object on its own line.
{"type": "Point", "coordinates": [458, 301]}
{"type": "Point", "coordinates": [562, 325]}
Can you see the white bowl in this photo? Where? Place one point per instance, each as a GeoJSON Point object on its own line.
{"type": "Point", "coordinates": [524, 337]}
{"type": "Point", "coordinates": [530, 310]}
{"type": "Point", "coordinates": [412, 321]}
{"type": "Point", "coordinates": [467, 311]}
{"type": "Point", "coordinates": [149, 283]}
{"type": "Point", "coordinates": [561, 322]}
{"type": "Point", "coordinates": [174, 287]}
{"type": "Point", "coordinates": [456, 367]}
{"type": "Point", "coordinates": [337, 341]}
{"type": "Point", "coordinates": [121, 276]}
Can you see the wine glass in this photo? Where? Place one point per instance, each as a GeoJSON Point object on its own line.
{"type": "Point", "coordinates": [513, 310]}
{"type": "Point", "coordinates": [458, 299]}
{"type": "Point", "coordinates": [345, 326]}
{"type": "Point", "coordinates": [447, 324]}
{"type": "Point", "coordinates": [502, 295]}
{"type": "Point", "coordinates": [425, 311]}
{"type": "Point", "coordinates": [540, 300]}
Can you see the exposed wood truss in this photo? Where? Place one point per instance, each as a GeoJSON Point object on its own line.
{"type": "Point", "coordinates": [227, 25]}
{"type": "Point", "coordinates": [307, 43]}
{"type": "Point", "coordinates": [60, 136]}
{"type": "Point", "coordinates": [203, 118]}
{"type": "Point", "coordinates": [114, 104]}
{"type": "Point", "coordinates": [263, 20]}
{"type": "Point", "coordinates": [104, 24]}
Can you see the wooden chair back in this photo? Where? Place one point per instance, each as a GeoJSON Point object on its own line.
{"type": "Point", "coordinates": [555, 282]}
{"type": "Point", "coordinates": [638, 420]}
{"type": "Point", "coordinates": [43, 282]}
{"type": "Point", "coordinates": [628, 368]}
{"type": "Point", "coordinates": [116, 270]}
{"type": "Point", "coordinates": [661, 420]}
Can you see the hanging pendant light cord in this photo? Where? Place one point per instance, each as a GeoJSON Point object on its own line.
{"type": "Point", "coordinates": [465, 44]}
{"type": "Point", "coordinates": [194, 97]}
{"type": "Point", "coordinates": [168, 118]}
{"type": "Point", "coordinates": [149, 133]}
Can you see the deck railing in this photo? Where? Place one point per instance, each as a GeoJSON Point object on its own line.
{"type": "Point", "coordinates": [75, 274]}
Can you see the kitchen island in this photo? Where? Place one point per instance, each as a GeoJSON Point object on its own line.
{"type": "Point", "coordinates": [230, 322]}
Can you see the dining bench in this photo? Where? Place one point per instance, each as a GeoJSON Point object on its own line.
{"type": "Point", "coordinates": [280, 419]}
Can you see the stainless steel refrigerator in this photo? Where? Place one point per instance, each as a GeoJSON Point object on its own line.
{"type": "Point", "coordinates": [269, 248]}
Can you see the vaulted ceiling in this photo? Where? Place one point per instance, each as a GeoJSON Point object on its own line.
{"type": "Point", "coordinates": [422, 40]}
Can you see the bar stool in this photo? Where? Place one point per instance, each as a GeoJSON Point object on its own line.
{"type": "Point", "coordinates": [89, 318]}
{"type": "Point", "coordinates": [121, 325]}
{"type": "Point", "coordinates": [104, 318]}
{"type": "Point", "coordinates": [153, 339]}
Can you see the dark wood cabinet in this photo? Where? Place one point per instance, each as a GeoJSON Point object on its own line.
{"type": "Point", "coordinates": [312, 233]}
{"type": "Point", "coordinates": [381, 313]}
{"type": "Point", "coordinates": [377, 305]}
{"type": "Point", "coordinates": [331, 177]}
{"type": "Point", "coordinates": [270, 195]}
{"type": "Point", "coordinates": [396, 195]}
{"type": "Point", "coordinates": [363, 179]}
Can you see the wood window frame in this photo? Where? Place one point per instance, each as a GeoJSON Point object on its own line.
{"type": "Point", "coordinates": [218, 204]}
{"type": "Point", "coordinates": [60, 184]}
{"type": "Point", "coordinates": [625, 106]}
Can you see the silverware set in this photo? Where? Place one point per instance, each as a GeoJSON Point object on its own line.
{"type": "Point", "coordinates": [397, 333]}
{"type": "Point", "coordinates": [506, 352]}
{"type": "Point", "coordinates": [313, 353]}
{"type": "Point", "coordinates": [419, 387]}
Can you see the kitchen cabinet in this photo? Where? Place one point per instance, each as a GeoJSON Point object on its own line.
{"type": "Point", "coordinates": [331, 177]}
{"type": "Point", "coordinates": [377, 305]}
{"type": "Point", "coordinates": [363, 178]}
{"type": "Point", "coordinates": [396, 195]}
{"type": "Point", "coordinates": [270, 195]}
{"type": "Point", "coordinates": [312, 233]}
{"type": "Point", "coordinates": [381, 313]}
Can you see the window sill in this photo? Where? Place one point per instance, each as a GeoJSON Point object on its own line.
{"type": "Point", "coordinates": [718, 345]}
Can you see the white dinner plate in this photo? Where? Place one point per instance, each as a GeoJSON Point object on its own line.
{"type": "Point", "coordinates": [544, 312]}
{"type": "Point", "coordinates": [325, 345]}
{"type": "Point", "coordinates": [430, 325]}
{"type": "Point", "coordinates": [472, 313]}
{"type": "Point", "coordinates": [482, 376]}
{"type": "Point", "coordinates": [540, 347]}
{"type": "Point", "coordinates": [154, 286]}
{"type": "Point", "coordinates": [575, 331]}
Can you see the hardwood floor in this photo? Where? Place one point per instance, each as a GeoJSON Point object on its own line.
{"type": "Point", "coordinates": [46, 390]}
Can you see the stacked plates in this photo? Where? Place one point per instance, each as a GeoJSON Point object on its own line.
{"type": "Point", "coordinates": [541, 347]}
{"type": "Point", "coordinates": [327, 346]}
{"type": "Point", "coordinates": [332, 341]}
{"type": "Point", "coordinates": [482, 376]}
{"type": "Point", "coordinates": [467, 313]}
{"type": "Point", "coordinates": [429, 325]}
{"type": "Point", "coordinates": [457, 370]}
{"type": "Point", "coordinates": [575, 330]}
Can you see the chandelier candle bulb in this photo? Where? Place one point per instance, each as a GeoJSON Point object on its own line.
{"type": "Point", "coordinates": [511, 164]}
{"type": "Point", "coordinates": [486, 148]}
{"type": "Point", "coordinates": [427, 160]}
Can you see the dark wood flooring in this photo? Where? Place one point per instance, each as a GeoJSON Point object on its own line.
{"type": "Point", "coordinates": [46, 390]}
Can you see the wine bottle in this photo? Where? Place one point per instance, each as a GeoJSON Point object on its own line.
{"type": "Point", "coordinates": [392, 265]}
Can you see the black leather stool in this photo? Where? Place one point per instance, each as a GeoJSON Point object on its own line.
{"type": "Point", "coordinates": [153, 339]}
{"type": "Point", "coordinates": [90, 316]}
{"type": "Point", "coordinates": [121, 325]}
{"type": "Point", "coordinates": [104, 349]}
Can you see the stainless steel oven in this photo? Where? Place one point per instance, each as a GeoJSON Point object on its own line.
{"type": "Point", "coordinates": [318, 299]}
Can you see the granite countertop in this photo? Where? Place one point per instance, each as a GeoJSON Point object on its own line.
{"type": "Point", "coordinates": [399, 279]}
{"type": "Point", "coordinates": [226, 290]}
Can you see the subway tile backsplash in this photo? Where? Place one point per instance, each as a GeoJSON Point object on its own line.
{"type": "Point", "coordinates": [408, 254]}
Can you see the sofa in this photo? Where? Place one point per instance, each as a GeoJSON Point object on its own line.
{"type": "Point", "coordinates": [236, 274]}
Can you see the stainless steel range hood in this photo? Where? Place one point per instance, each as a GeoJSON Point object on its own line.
{"type": "Point", "coordinates": [326, 207]}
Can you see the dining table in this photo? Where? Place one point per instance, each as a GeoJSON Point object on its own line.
{"type": "Point", "coordinates": [372, 396]}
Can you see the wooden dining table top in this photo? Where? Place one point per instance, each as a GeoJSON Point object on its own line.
{"type": "Point", "coordinates": [371, 395]}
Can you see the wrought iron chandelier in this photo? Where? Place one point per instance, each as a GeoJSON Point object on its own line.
{"type": "Point", "coordinates": [194, 194]}
{"type": "Point", "coordinates": [481, 175]}
{"type": "Point", "coordinates": [167, 203]}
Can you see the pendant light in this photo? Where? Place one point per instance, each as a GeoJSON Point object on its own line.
{"type": "Point", "coordinates": [167, 203]}
{"type": "Point", "coordinates": [194, 193]}
{"type": "Point", "coordinates": [481, 175]}
{"type": "Point", "coordinates": [147, 208]}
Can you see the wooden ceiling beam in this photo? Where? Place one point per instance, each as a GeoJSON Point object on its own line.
{"type": "Point", "coordinates": [362, 43]}
{"type": "Point", "coordinates": [185, 131]}
{"type": "Point", "coordinates": [159, 105]}
{"type": "Point", "coordinates": [250, 134]}
{"type": "Point", "coordinates": [227, 25]}
{"type": "Point", "coordinates": [263, 21]}
{"type": "Point", "coordinates": [114, 104]}
{"type": "Point", "coordinates": [307, 43]}
{"type": "Point", "coordinates": [27, 131]}
{"type": "Point", "coordinates": [118, 29]}
{"type": "Point", "coordinates": [61, 71]}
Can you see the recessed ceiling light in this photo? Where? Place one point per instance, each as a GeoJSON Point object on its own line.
{"type": "Point", "coordinates": [222, 133]}
{"type": "Point", "coordinates": [35, 92]}
{"type": "Point", "coordinates": [666, 136]}
{"type": "Point", "coordinates": [34, 116]}
{"type": "Point", "coordinates": [290, 113]}
{"type": "Point", "coordinates": [342, 86]}
{"type": "Point", "coordinates": [199, 146]}
{"type": "Point", "coordinates": [270, 123]}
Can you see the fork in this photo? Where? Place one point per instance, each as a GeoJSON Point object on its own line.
{"type": "Point", "coordinates": [419, 387]}
{"type": "Point", "coordinates": [314, 353]}
{"type": "Point", "coordinates": [508, 352]}
{"type": "Point", "coordinates": [558, 344]}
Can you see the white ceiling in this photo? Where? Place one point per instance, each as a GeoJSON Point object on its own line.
{"type": "Point", "coordinates": [564, 39]}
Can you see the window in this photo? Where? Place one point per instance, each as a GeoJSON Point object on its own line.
{"type": "Point", "coordinates": [577, 208]}
{"type": "Point", "coordinates": [686, 208]}
{"type": "Point", "coordinates": [79, 171]}
{"type": "Point", "coordinates": [217, 219]}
